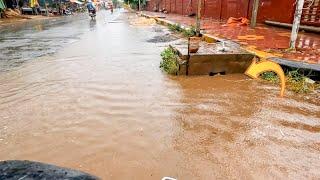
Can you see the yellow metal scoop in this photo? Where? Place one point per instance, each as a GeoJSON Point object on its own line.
{"type": "Point", "coordinates": [256, 68]}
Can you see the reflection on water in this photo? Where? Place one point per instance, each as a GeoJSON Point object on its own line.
{"type": "Point", "coordinates": [25, 42]}
{"type": "Point", "coordinates": [39, 27]}
{"type": "Point", "coordinates": [93, 23]}
{"type": "Point", "coordinates": [102, 105]}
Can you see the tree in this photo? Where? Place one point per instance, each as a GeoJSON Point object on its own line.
{"type": "Point", "coordinates": [135, 3]}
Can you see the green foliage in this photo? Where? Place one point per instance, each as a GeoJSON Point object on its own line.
{"type": "Point", "coordinates": [270, 76]}
{"type": "Point", "coordinates": [116, 3]}
{"type": "Point", "coordinates": [295, 75]}
{"type": "Point", "coordinates": [189, 32]}
{"type": "Point", "coordinates": [295, 81]}
{"type": "Point", "coordinates": [135, 3]}
{"type": "Point", "coordinates": [175, 27]}
{"type": "Point", "coordinates": [169, 61]}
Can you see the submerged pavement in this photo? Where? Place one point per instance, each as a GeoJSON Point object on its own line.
{"type": "Point", "coordinates": [99, 103]}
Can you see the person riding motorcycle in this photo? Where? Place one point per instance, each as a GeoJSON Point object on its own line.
{"type": "Point", "coordinates": [111, 8]}
{"type": "Point", "coordinates": [91, 7]}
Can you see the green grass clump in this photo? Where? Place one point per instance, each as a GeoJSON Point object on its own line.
{"type": "Point", "coordinates": [175, 27]}
{"type": "Point", "coordinates": [169, 61]}
{"type": "Point", "coordinates": [270, 76]}
{"type": "Point", "coordinates": [295, 81]}
{"type": "Point", "coordinates": [189, 32]}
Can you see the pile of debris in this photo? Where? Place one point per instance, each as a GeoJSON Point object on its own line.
{"type": "Point", "coordinates": [9, 13]}
{"type": "Point", "coordinates": [141, 21]}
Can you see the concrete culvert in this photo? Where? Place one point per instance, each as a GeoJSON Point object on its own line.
{"type": "Point", "coordinates": [212, 74]}
{"type": "Point", "coordinates": [218, 73]}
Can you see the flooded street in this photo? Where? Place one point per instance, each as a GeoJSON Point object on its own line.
{"type": "Point", "coordinates": [89, 95]}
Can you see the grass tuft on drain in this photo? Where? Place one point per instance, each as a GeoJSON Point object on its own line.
{"type": "Point", "coordinates": [295, 81]}
{"type": "Point", "coordinates": [169, 61]}
{"type": "Point", "coordinates": [187, 32]}
{"type": "Point", "coordinates": [175, 27]}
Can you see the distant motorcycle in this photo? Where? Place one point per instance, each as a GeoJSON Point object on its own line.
{"type": "Point", "coordinates": [92, 14]}
{"type": "Point", "coordinates": [111, 9]}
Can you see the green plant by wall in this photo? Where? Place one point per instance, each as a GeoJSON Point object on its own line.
{"type": "Point", "coordinates": [270, 76]}
{"type": "Point", "coordinates": [295, 81]}
{"type": "Point", "coordinates": [135, 3]}
{"type": "Point", "coordinates": [169, 61]}
{"type": "Point", "coordinates": [175, 27]}
{"type": "Point", "coordinates": [189, 32]}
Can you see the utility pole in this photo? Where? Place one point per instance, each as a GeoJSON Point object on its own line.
{"type": "Point", "coordinates": [139, 5]}
{"type": "Point", "coordinates": [296, 24]}
{"type": "Point", "coordinates": [198, 19]}
{"type": "Point", "coordinates": [254, 14]}
{"type": "Point", "coordinates": [46, 6]}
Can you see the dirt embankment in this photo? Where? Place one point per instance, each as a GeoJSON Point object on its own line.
{"type": "Point", "coordinates": [14, 13]}
{"type": "Point", "coordinates": [5, 22]}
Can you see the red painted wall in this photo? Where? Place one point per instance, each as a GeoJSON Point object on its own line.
{"type": "Point", "coordinates": [212, 9]}
{"type": "Point", "coordinates": [179, 6]}
{"type": "Point", "coordinates": [185, 7]}
{"type": "Point", "coordinates": [149, 5]}
{"type": "Point", "coordinates": [173, 6]}
{"type": "Point", "coordinates": [275, 10]}
{"type": "Point", "coordinates": [167, 5]}
{"type": "Point", "coordinates": [234, 8]}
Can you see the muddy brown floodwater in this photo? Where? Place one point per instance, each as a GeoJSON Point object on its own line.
{"type": "Point", "coordinates": [102, 105]}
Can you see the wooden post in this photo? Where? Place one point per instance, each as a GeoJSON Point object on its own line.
{"type": "Point", "coordinates": [198, 20]}
{"type": "Point", "coordinates": [254, 14]}
{"type": "Point", "coordinates": [296, 24]}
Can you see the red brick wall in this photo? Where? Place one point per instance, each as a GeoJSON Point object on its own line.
{"type": "Point", "coordinates": [212, 9]}
{"type": "Point", "coordinates": [275, 10]}
{"type": "Point", "coordinates": [167, 6]}
{"type": "Point", "coordinates": [173, 6]}
{"type": "Point", "coordinates": [150, 5]}
{"type": "Point", "coordinates": [186, 7]}
{"type": "Point", "coordinates": [179, 6]}
{"type": "Point", "coordinates": [234, 8]}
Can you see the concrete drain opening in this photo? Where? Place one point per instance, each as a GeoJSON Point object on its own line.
{"type": "Point", "coordinates": [211, 60]}
{"type": "Point", "coordinates": [217, 73]}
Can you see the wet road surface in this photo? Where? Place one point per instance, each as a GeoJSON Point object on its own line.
{"type": "Point", "coordinates": [100, 104]}
{"type": "Point", "coordinates": [27, 41]}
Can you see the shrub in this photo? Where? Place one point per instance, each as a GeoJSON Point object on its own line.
{"type": "Point", "coordinates": [175, 27]}
{"type": "Point", "coordinates": [295, 81]}
{"type": "Point", "coordinates": [169, 61]}
{"type": "Point", "coordinates": [270, 76]}
{"type": "Point", "coordinates": [189, 32]}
